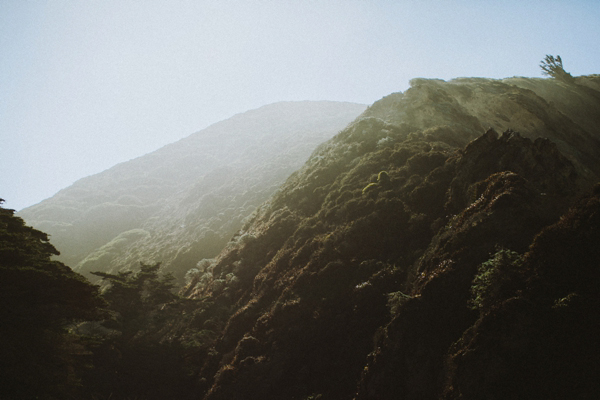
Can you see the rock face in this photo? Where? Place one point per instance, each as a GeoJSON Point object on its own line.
{"type": "Point", "coordinates": [183, 202]}
{"type": "Point", "coordinates": [367, 275]}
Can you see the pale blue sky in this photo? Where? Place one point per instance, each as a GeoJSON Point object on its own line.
{"type": "Point", "coordinates": [88, 84]}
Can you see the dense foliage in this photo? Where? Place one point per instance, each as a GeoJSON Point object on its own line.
{"type": "Point", "coordinates": [361, 273]}
{"type": "Point", "coordinates": [184, 201]}
{"type": "Point", "coordinates": [539, 340]}
{"type": "Point", "coordinates": [418, 254]}
{"type": "Point", "coordinates": [130, 358]}
{"type": "Point", "coordinates": [39, 299]}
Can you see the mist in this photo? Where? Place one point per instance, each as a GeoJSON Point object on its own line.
{"type": "Point", "coordinates": [84, 86]}
{"type": "Point", "coordinates": [299, 200]}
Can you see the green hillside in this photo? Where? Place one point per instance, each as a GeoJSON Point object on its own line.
{"type": "Point", "coordinates": [184, 201]}
{"type": "Point", "coordinates": [444, 245]}
{"type": "Point", "coordinates": [381, 267]}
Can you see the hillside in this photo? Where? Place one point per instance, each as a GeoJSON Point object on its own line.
{"type": "Point", "coordinates": [184, 201]}
{"type": "Point", "coordinates": [444, 245]}
{"type": "Point", "coordinates": [420, 254]}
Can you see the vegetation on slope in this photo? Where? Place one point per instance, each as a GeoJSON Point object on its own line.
{"type": "Point", "coordinates": [183, 202]}
{"type": "Point", "coordinates": [395, 214]}
{"type": "Point", "coordinates": [39, 300]}
{"type": "Point", "coordinates": [441, 246]}
{"type": "Point", "coordinates": [539, 326]}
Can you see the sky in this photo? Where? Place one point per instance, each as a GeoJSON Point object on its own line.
{"type": "Point", "coordinates": [85, 85]}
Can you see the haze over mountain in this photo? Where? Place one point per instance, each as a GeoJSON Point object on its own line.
{"type": "Point", "coordinates": [85, 85]}
{"type": "Point", "coordinates": [443, 245]}
{"type": "Point", "coordinates": [384, 267]}
{"type": "Point", "coordinates": [184, 201]}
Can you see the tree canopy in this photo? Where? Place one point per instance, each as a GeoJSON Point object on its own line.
{"type": "Point", "coordinates": [39, 299]}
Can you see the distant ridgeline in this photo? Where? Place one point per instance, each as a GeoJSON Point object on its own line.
{"type": "Point", "coordinates": [182, 203]}
{"type": "Point", "coordinates": [445, 244]}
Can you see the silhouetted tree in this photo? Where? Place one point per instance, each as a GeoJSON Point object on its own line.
{"type": "Point", "coordinates": [134, 356]}
{"type": "Point", "coordinates": [39, 300]}
{"type": "Point", "coordinates": [553, 66]}
{"type": "Point", "coordinates": [137, 298]}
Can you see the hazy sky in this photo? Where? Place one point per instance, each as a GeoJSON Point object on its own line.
{"type": "Point", "coordinates": [88, 84]}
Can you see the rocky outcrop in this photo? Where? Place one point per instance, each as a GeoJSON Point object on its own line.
{"type": "Point", "coordinates": [539, 161]}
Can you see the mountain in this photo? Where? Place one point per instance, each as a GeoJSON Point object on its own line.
{"type": "Point", "coordinates": [183, 202]}
{"type": "Point", "coordinates": [444, 245]}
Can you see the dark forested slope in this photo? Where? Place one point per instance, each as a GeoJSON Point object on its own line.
{"type": "Point", "coordinates": [39, 299]}
{"type": "Point", "coordinates": [443, 245]}
{"type": "Point", "coordinates": [405, 259]}
{"type": "Point", "coordinates": [183, 202]}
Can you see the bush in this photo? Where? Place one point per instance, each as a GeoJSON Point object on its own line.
{"type": "Point", "coordinates": [395, 300]}
{"type": "Point", "coordinates": [496, 280]}
{"type": "Point", "coordinates": [369, 187]}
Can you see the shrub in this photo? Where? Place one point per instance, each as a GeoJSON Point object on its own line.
{"type": "Point", "coordinates": [383, 178]}
{"type": "Point", "coordinates": [369, 187]}
{"type": "Point", "coordinates": [192, 275]}
{"type": "Point", "coordinates": [205, 265]}
{"type": "Point", "coordinates": [496, 280]}
{"type": "Point", "coordinates": [395, 301]}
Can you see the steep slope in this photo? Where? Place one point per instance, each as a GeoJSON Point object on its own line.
{"type": "Point", "coordinates": [539, 325]}
{"type": "Point", "coordinates": [356, 279]}
{"type": "Point", "coordinates": [183, 202]}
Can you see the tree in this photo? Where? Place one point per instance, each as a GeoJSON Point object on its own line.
{"type": "Point", "coordinates": [137, 352]}
{"type": "Point", "coordinates": [553, 67]}
{"type": "Point", "coordinates": [137, 298]}
{"type": "Point", "coordinates": [39, 299]}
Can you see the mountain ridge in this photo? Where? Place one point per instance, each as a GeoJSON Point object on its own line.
{"type": "Point", "coordinates": [394, 216]}
{"type": "Point", "coordinates": [86, 219]}
{"type": "Point", "coordinates": [442, 245]}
